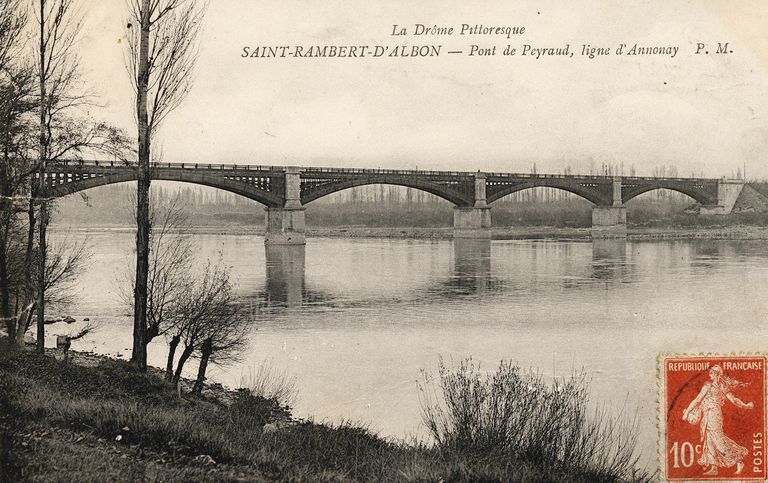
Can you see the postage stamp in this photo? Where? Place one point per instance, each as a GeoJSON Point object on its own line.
{"type": "Point", "coordinates": [712, 417]}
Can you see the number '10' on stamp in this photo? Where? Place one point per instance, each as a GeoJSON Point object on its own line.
{"type": "Point", "coordinates": [713, 418]}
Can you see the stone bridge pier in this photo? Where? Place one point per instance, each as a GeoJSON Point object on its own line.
{"type": "Point", "coordinates": [610, 221]}
{"type": "Point", "coordinates": [474, 221]}
{"type": "Point", "coordinates": [286, 225]}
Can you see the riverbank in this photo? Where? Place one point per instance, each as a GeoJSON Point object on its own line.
{"type": "Point", "coordinates": [94, 419]}
{"type": "Point", "coordinates": [735, 232]}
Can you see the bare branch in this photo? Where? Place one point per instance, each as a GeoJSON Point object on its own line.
{"type": "Point", "coordinates": [13, 21]}
{"type": "Point", "coordinates": [173, 50]}
{"type": "Point", "coordinates": [64, 263]}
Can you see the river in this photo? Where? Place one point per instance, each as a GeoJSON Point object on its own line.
{"type": "Point", "coordinates": [357, 320]}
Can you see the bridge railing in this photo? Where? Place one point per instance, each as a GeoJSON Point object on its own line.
{"type": "Point", "coordinates": [667, 178]}
{"type": "Point", "coordinates": [134, 164]}
{"type": "Point", "coordinates": [547, 176]}
{"type": "Point", "coordinates": [369, 171]}
{"type": "Point", "coordinates": [593, 177]}
{"type": "Point", "coordinates": [313, 170]}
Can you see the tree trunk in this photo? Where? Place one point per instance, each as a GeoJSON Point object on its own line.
{"type": "Point", "coordinates": [171, 355]}
{"type": "Point", "coordinates": [27, 318]}
{"type": "Point", "coordinates": [23, 320]}
{"type": "Point", "coordinates": [22, 326]}
{"type": "Point", "coordinates": [42, 147]}
{"type": "Point", "coordinates": [6, 211]}
{"type": "Point", "coordinates": [188, 350]}
{"type": "Point", "coordinates": [139, 355]}
{"type": "Point", "coordinates": [40, 345]}
{"type": "Point", "coordinates": [149, 334]}
{"type": "Point", "coordinates": [205, 354]}
{"type": "Point", "coordinates": [5, 285]}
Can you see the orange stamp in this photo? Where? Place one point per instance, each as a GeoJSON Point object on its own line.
{"type": "Point", "coordinates": [713, 418]}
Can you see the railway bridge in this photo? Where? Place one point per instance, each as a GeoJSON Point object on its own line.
{"type": "Point", "coordinates": [286, 190]}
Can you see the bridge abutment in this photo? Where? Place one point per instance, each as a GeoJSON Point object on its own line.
{"type": "Point", "coordinates": [473, 221]}
{"type": "Point", "coordinates": [728, 192]}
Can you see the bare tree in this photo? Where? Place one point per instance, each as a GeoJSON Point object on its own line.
{"type": "Point", "coordinates": [64, 342]}
{"type": "Point", "coordinates": [198, 313]}
{"type": "Point", "coordinates": [162, 50]}
{"type": "Point", "coordinates": [208, 308]}
{"type": "Point", "coordinates": [17, 106]}
{"type": "Point", "coordinates": [59, 27]}
{"type": "Point", "coordinates": [169, 277]}
{"type": "Point", "coordinates": [15, 293]}
{"type": "Point", "coordinates": [61, 134]}
{"type": "Point", "coordinates": [64, 263]}
{"type": "Point", "coordinates": [225, 338]}
{"type": "Point", "coordinates": [37, 101]}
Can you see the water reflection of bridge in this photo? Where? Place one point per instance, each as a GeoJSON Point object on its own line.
{"type": "Point", "coordinates": [471, 274]}
{"type": "Point", "coordinates": [285, 267]}
{"type": "Point", "coordinates": [477, 270]}
{"type": "Point", "coordinates": [285, 285]}
{"type": "Point", "coordinates": [613, 261]}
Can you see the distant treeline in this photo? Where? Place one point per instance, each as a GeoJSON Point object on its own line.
{"type": "Point", "coordinates": [385, 206]}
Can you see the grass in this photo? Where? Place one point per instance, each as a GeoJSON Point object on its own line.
{"type": "Point", "coordinates": [63, 422]}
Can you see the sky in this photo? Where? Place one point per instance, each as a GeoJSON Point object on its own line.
{"type": "Point", "coordinates": [702, 114]}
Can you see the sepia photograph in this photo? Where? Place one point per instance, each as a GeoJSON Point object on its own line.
{"type": "Point", "coordinates": [435, 241]}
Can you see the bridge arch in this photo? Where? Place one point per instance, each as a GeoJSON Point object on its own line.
{"type": "Point", "coordinates": [441, 191]}
{"type": "Point", "coordinates": [698, 194]}
{"type": "Point", "coordinates": [239, 188]}
{"type": "Point", "coordinates": [588, 193]}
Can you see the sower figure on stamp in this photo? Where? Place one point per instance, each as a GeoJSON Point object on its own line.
{"type": "Point", "coordinates": [718, 450]}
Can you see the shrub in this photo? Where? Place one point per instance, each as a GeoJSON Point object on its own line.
{"type": "Point", "coordinates": [519, 415]}
{"type": "Point", "coordinates": [265, 381]}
